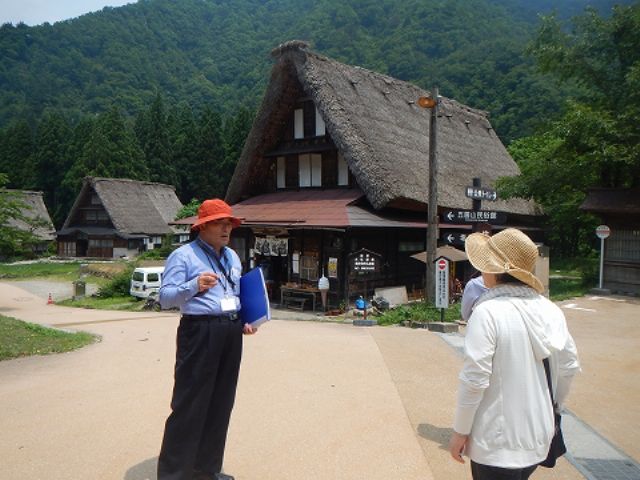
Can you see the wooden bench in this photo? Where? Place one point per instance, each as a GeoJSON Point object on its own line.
{"type": "Point", "coordinates": [296, 303]}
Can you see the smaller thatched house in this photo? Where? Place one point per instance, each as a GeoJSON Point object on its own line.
{"type": "Point", "coordinates": [36, 219]}
{"type": "Point", "coordinates": [619, 209]}
{"type": "Point", "coordinates": [114, 218]}
{"type": "Point", "coordinates": [336, 163]}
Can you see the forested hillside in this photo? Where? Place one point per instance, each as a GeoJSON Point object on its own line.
{"type": "Point", "coordinates": [216, 51]}
{"type": "Point", "coordinates": [165, 90]}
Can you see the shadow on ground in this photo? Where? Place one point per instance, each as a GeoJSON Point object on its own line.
{"type": "Point", "coordinates": [436, 434]}
{"type": "Point", "coordinates": [143, 471]}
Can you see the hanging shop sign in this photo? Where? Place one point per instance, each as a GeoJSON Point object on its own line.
{"type": "Point", "coordinates": [332, 267]}
{"type": "Point", "coordinates": [365, 261]}
{"type": "Point", "coordinates": [272, 246]}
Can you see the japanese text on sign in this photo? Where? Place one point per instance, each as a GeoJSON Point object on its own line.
{"type": "Point", "coordinates": [364, 262]}
{"type": "Point", "coordinates": [480, 193]}
{"type": "Point", "coordinates": [476, 215]}
{"type": "Point", "coordinates": [442, 283]}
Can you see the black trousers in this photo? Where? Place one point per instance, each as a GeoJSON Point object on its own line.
{"type": "Point", "coordinates": [487, 472]}
{"type": "Point", "coordinates": [206, 375]}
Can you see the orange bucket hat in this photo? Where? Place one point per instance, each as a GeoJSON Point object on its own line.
{"type": "Point", "coordinates": [214, 210]}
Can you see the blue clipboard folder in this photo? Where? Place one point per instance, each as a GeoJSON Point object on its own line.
{"type": "Point", "coordinates": [254, 300]}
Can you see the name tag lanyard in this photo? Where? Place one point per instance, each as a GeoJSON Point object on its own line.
{"type": "Point", "coordinates": [220, 267]}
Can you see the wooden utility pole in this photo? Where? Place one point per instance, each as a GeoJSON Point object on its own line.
{"type": "Point", "coordinates": [432, 212]}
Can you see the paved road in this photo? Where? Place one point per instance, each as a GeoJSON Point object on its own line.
{"type": "Point", "coordinates": [315, 400]}
{"type": "Point", "coordinates": [58, 290]}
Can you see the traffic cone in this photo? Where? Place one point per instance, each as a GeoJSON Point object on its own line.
{"type": "Point", "coordinates": [50, 300]}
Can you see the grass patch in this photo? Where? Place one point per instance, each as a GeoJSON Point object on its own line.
{"type": "Point", "coordinates": [110, 303]}
{"type": "Point", "coordinates": [66, 271]}
{"type": "Point", "coordinates": [58, 272]}
{"type": "Point", "coordinates": [572, 277]}
{"type": "Point", "coordinates": [563, 288]}
{"type": "Point", "coordinates": [418, 312]}
{"type": "Point", "coordinates": [20, 339]}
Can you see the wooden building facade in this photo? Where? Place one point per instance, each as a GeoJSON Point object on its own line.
{"type": "Point", "coordinates": [336, 163]}
{"type": "Point", "coordinates": [114, 218]}
{"type": "Point", "coordinates": [619, 209]}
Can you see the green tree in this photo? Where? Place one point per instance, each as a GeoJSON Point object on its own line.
{"type": "Point", "coordinates": [125, 159]}
{"type": "Point", "coordinates": [184, 149]}
{"type": "Point", "coordinates": [235, 132]}
{"type": "Point", "coordinates": [72, 181]}
{"type": "Point", "coordinates": [216, 52]}
{"type": "Point", "coordinates": [594, 143]}
{"type": "Point", "coordinates": [558, 185]}
{"type": "Point", "coordinates": [209, 175]}
{"type": "Point", "coordinates": [104, 147]}
{"type": "Point", "coordinates": [189, 210]}
{"type": "Point", "coordinates": [51, 160]}
{"type": "Point", "coordinates": [16, 154]}
{"type": "Point", "coordinates": [153, 136]}
{"type": "Point", "coordinates": [602, 55]}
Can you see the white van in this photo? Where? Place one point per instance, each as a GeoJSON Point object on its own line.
{"type": "Point", "coordinates": [146, 280]}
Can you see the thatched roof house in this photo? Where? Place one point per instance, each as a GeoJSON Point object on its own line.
{"type": "Point", "coordinates": [113, 217]}
{"type": "Point", "coordinates": [36, 219]}
{"type": "Point", "coordinates": [382, 133]}
{"type": "Point", "coordinates": [35, 212]}
{"type": "Point", "coordinates": [337, 162]}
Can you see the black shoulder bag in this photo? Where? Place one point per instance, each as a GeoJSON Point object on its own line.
{"type": "Point", "coordinates": [557, 448]}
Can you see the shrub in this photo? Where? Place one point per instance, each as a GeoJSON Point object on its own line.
{"type": "Point", "coordinates": [590, 272]}
{"type": "Point", "coordinates": [418, 312]}
{"type": "Point", "coordinates": [119, 285]}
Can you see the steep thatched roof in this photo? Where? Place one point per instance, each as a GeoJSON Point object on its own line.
{"type": "Point", "coordinates": [380, 130]}
{"type": "Point", "coordinates": [40, 223]}
{"type": "Point", "coordinates": [134, 207]}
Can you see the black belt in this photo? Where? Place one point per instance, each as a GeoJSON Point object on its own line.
{"type": "Point", "coordinates": [225, 317]}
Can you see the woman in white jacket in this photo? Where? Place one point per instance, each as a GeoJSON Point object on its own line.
{"type": "Point", "coordinates": [504, 417]}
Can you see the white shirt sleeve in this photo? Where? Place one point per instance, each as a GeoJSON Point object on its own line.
{"type": "Point", "coordinates": [479, 347]}
{"type": "Point", "coordinates": [568, 366]}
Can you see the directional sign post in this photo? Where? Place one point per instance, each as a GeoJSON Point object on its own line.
{"type": "Point", "coordinates": [473, 216]}
{"type": "Point", "coordinates": [453, 237]}
{"type": "Point", "coordinates": [602, 232]}
{"type": "Point", "coordinates": [481, 193]}
{"type": "Point", "coordinates": [442, 285]}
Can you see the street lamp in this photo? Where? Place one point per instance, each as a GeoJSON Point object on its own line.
{"type": "Point", "coordinates": [432, 102]}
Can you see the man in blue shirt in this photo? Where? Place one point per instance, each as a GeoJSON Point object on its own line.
{"type": "Point", "coordinates": [202, 278]}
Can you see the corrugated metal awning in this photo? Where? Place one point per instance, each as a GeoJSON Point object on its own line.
{"type": "Point", "coordinates": [310, 208]}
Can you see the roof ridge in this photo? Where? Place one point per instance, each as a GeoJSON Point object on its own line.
{"type": "Point", "coordinates": [93, 180]}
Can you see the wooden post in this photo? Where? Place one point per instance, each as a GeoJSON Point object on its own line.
{"type": "Point", "coordinates": [432, 212]}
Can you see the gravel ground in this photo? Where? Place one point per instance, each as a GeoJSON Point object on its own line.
{"type": "Point", "coordinates": [58, 290]}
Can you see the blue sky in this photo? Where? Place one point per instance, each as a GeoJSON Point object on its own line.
{"type": "Point", "coordinates": [35, 12]}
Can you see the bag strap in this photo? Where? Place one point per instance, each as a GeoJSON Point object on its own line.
{"type": "Point", "coordinates": [218, 263]}
{"type": "Point", "coordinates": [547, 371]}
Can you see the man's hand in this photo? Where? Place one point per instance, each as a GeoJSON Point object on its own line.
{"type": "Point", "coordinates": [248, 329]}
{"type": "Point", "coordinates": [207, 280]}
{"type": "Point", "coordinates": [457, 444]}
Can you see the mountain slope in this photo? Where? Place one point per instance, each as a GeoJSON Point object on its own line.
{"type": "Point", "coordinates": [202, 51]}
